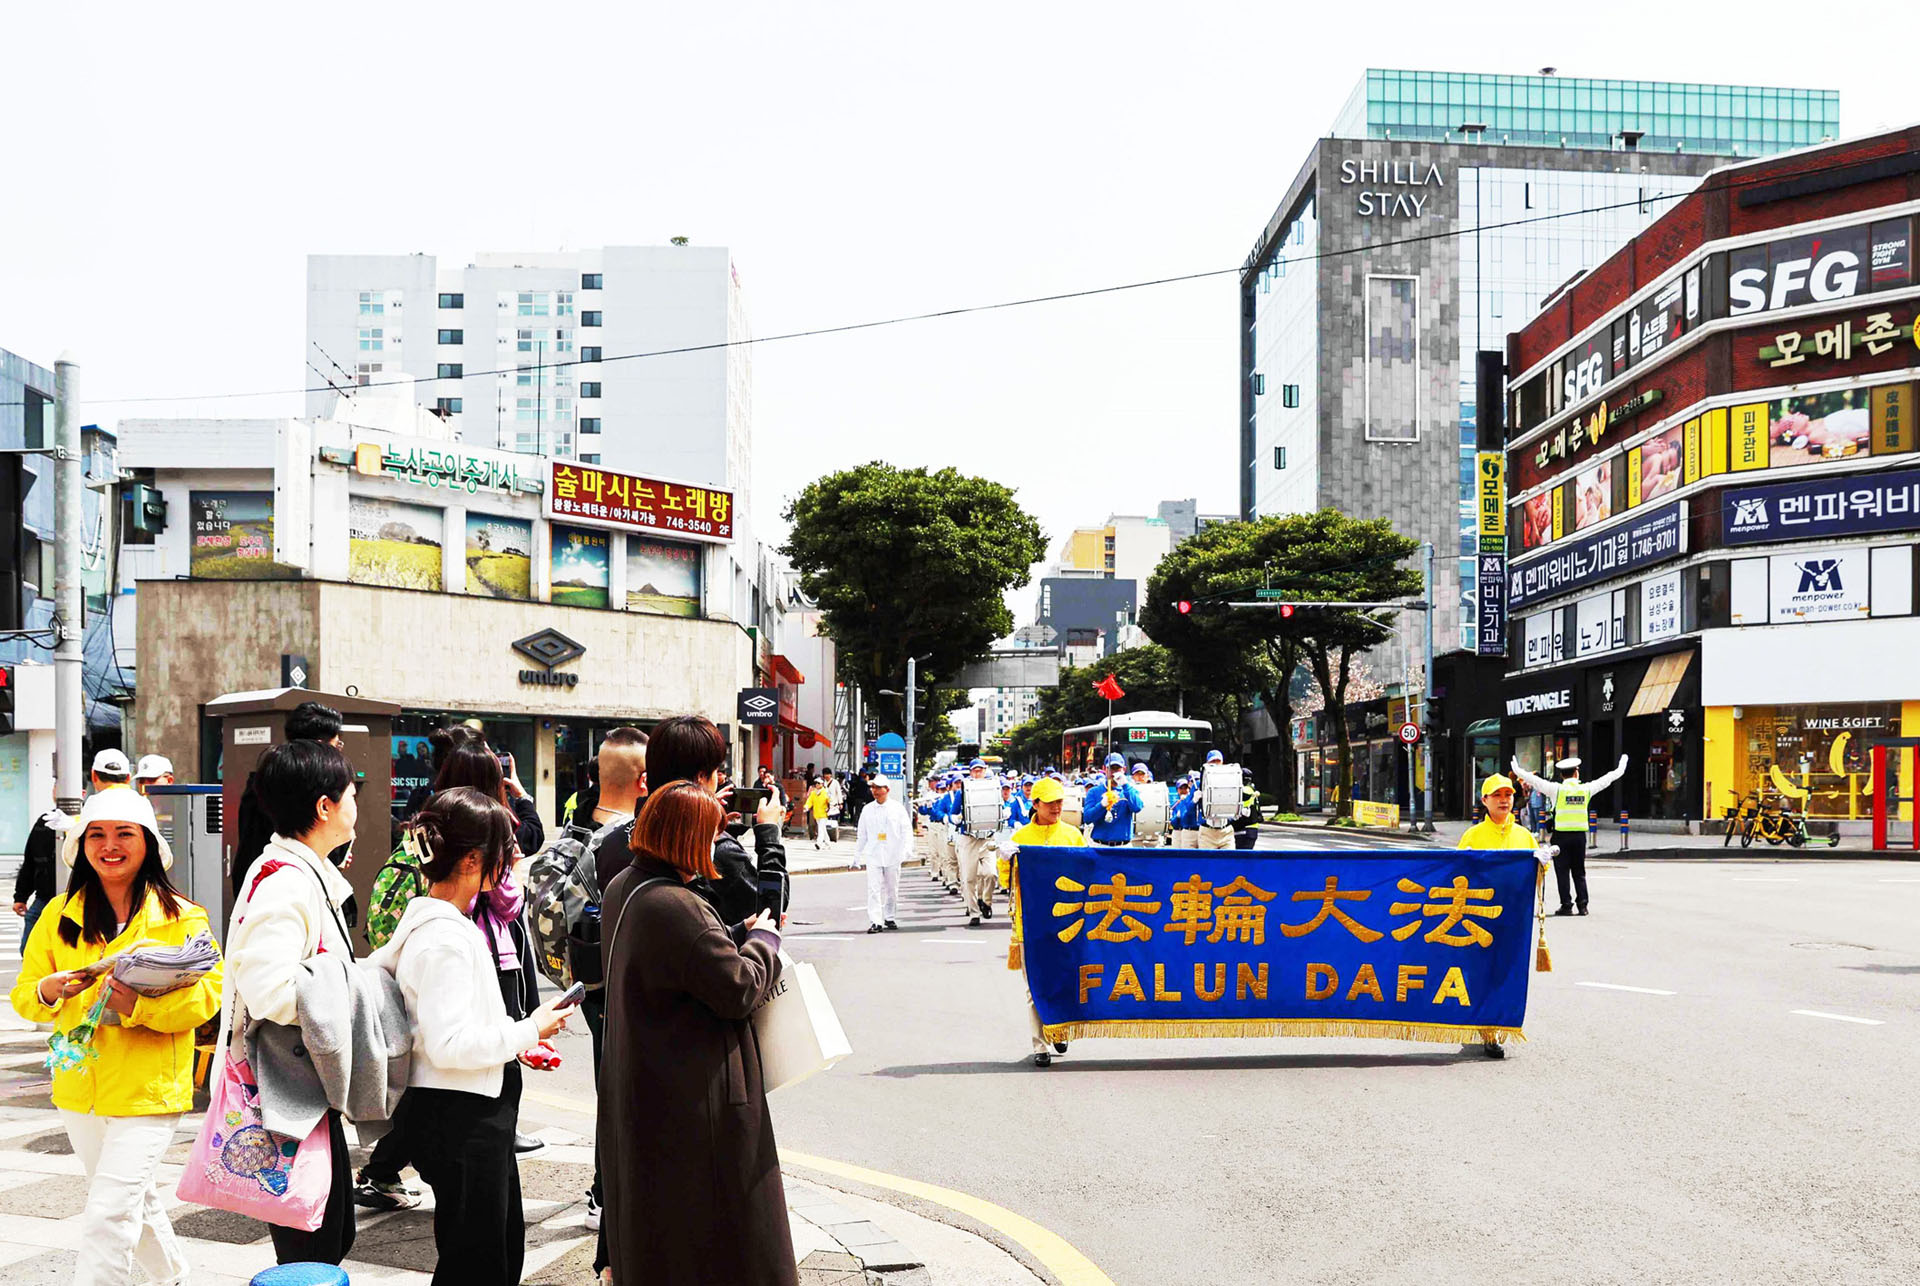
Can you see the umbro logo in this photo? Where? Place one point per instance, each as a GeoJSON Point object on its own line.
{"type": "Point", "coordinates": [550, 648]}
{"type": "Point", "coordinates": [759, 703]}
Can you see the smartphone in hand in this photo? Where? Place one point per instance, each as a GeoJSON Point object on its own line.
{"type": "Point", "coordinates": [571, 996]}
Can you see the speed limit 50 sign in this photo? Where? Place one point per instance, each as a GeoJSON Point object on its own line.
{"type": "Point", "coordinates": [1410, 734]}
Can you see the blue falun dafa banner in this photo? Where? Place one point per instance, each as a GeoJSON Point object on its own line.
{"type": "Point", "coordinates": [1184, 942]}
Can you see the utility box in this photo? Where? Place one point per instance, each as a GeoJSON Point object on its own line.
{"type": "Point", "coordinates": [251, 722]}
{"type": "Point", "coordinates": [191, 823]}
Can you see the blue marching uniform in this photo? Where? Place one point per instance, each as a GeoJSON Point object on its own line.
{"type": "Point", "coordinates": [1110, 825]}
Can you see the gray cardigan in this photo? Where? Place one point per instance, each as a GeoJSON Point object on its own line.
{"type": "Point", "coordinates": [350, 1051]}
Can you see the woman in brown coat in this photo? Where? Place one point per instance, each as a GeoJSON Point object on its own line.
{"type": "Point", "coordinates": [692, 1180]}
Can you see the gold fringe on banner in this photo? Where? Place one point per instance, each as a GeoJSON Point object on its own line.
{"type": "Point", "coordinates": [1174, 1028]}
{"type": "Point", "coordinates": [1542, 959]}
{"type": "Point", "coordinates": [1016, 956]}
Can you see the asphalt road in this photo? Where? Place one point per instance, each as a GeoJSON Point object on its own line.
{"type": "Point", "coordinates": [1672, 1117]}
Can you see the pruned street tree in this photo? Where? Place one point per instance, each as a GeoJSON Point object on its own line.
{"type": "Point", "coordinates": [910, 562]}
{"type": "Point", "coordinates": [1325, 556]}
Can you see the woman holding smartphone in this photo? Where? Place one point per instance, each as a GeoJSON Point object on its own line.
{"type": "Point", "coordinates": [463, 1092]}
{"type": "Point", "coordinates": [692, 1177]}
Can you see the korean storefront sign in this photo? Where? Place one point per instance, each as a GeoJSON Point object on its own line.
{"type": "Point", "coordinates": [1491, 471]}
{"type": "Point", "coordinates": [1579, 438]}
{"type": "Point", "coordinates": [1837, 341]}
{"type": "Point", "coordinates": [1648, 539]}
{"type": "Point", "coordinates": [1490, 594]}
{"type": "Point", "coordinates": [1821, 508]}
{"type": "Point", "coordinates": [604, 498]}
{"type": "Point", "coordinates": [1660, 608]}
{"type": "Point", "coordinates": [452, 468]}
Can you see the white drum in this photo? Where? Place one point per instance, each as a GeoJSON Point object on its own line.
{"type": "Point", "coordinates": [1220, 787]}
{"type": "Point", "coordinates": [1155, 813]}
{"type": "Point", "coordinates": [980, 807]}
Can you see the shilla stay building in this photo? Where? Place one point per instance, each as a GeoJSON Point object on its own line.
{"type": "Point", "coordinates": [1437, 215]}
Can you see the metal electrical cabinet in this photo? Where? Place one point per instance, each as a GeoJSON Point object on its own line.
{"type": "Point", "coordinates": [190, 820]}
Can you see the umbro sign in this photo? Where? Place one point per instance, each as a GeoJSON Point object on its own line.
{"type": "Point", "coordinates": [759, 706]}
{"type": "Point", "coordinates": [551, 649]}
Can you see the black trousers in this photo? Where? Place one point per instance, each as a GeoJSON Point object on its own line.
{"type": "Point", "coordinates": [462, 1145]}
{"type": "Point", "coordinates": [593, 1007]}
{"type": "Point", "coordinates": [330, 1242]}
{"type": "Point", "coordinates": [1571, 863]}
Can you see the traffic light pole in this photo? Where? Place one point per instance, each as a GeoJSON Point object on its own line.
{"type": "Point", "coordinates": [913, 776]}
{"type": "Point", "coordinates": [1426, 701]}
{"type": "Point", "coordinates": [69, 708]}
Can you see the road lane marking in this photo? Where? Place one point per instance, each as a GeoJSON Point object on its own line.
{"type": "Point", "coordinates": [825, 937]}
{"type": "Point", "coordinates": [1592, 876]}
{"type": "Point", "coordinates": [1838, 1018]}
{"type": "Point", "coordinates": [1056, 1255]}
{"type": "Point", "coordinates": [1904, 879]}
{"type": "Point", "coordinates": [1766, 879]}
{"type": "Point", "coordinates": [1615, 986]}
{"type": "Point", "coordinates": [942, 939]}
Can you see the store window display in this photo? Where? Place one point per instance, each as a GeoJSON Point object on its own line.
{"type": "Point", "coordinates": [1816, 756]}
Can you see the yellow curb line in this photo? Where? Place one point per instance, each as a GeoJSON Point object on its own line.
{"type": "Point", "coordinates": [1055, 1254]}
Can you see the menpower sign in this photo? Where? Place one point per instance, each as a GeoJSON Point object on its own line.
{"type": "Point", "coordinates": [1648, 538]}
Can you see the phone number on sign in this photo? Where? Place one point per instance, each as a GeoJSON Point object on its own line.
{"type": "Point", "coordinates": [642, 518]}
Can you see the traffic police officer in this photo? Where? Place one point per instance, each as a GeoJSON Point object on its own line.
{"type": "Point", "coordinates": [1572, 801]}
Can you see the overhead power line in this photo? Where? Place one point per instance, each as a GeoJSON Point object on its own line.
{"type": "Point", "coordinates": [1334, 252]}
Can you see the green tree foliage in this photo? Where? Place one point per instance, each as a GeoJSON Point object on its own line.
{"type": "Point", "coordinates": [908, 562]}
{"type": "Point", "coordinates": [1325, 556]}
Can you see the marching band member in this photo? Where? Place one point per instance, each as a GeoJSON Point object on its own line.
{"type": "Point", "coordinates": [885, 835]}
{"type": "Point", "coordinates": [1018, 809]}
{"type": "Point", "coordinates": [1185, 814]}
{"type": "Point", "coordinates": [1212, 835]}
{"type": "Point", "coordinates": [1143, 837]}
{"type": "Point", "coordinates": [974, 842]}
{"type": "Point", "coordinates": [1046, 830]}
{"type": "Point", "coordinates": [1110, 807]}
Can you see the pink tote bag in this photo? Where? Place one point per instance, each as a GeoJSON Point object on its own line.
{"type": "Point", "coordinates": [238, 1165]}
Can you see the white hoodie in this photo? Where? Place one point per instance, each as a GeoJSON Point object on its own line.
{"type": "Point", "coordinates": [462, 1036]}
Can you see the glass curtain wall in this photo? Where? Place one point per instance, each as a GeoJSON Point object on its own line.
{"type": "Point", "coordinates": [1507, 271]}
{"type": "Point", "coordinates": [1286, 348]}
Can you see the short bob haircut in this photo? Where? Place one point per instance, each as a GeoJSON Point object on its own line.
{"type": "Point", "coordinates": [291, 779]}
{"type": "Point", "coordinates": [678, 825]}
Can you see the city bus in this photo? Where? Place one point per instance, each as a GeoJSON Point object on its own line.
{"type": "Point", "coordinates": [1169, 744]}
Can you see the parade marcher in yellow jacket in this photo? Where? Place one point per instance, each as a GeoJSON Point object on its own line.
{"type": "Point", "coordinates": [1046, 830]}
{"type": "Point", "coordinates": [122, 1102]}
{"type": "Point", "coordinates": [1499, 830]}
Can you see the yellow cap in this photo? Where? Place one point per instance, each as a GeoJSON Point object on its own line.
{"type": "Point", "coordinates": [1493, 783]}
{"type": "Point", "coordinates": [1047, 790]}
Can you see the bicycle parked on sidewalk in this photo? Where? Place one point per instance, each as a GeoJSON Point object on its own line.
{"type": "Point", "coordinates": [1758, 815]}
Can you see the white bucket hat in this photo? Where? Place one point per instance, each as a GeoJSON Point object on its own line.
{"type": "Point", "coordinates": [116, 805]}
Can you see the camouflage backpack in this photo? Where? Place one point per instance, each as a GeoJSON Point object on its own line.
{"type": "Point", "coordinates": [563, 906]}
{"type": "Point", "coordinates": [399, 882]}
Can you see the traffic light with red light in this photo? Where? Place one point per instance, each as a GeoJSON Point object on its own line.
{"type": "Point", "coordinates": [1184, 607]}
{"type": "Point", "coordinates": [1286, 610]}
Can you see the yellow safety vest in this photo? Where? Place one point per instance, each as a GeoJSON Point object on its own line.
{"type": "Point", "coordinates": [1570, 809]}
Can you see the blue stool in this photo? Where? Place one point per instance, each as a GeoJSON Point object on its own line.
{"type": "Point", "coordinates": [301, 1275]}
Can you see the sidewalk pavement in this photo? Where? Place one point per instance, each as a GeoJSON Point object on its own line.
{"type": "Point", "coordinates": [839, 1238]}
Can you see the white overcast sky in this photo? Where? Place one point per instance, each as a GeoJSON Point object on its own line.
{"type": "Point", "coordinates": [169, 168]}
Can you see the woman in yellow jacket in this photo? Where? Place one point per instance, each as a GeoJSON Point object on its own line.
{"type": "Point", "coordinates": [121, 1106]}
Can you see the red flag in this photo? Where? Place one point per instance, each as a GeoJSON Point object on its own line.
{"type": "Point", "coordinates": [1109, 688]}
